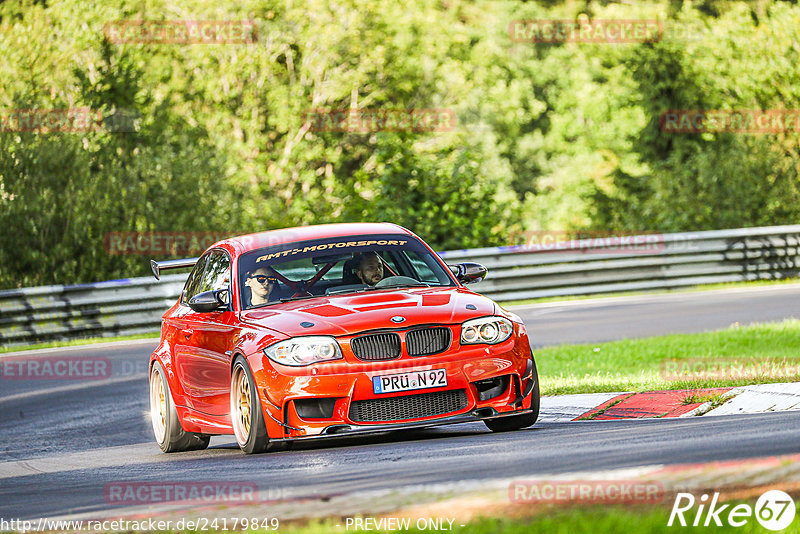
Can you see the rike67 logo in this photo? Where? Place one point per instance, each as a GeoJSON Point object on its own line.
{"type": "Point", "coordinates": [774, 510]}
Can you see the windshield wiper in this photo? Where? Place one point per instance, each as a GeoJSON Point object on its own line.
{"type": "Point", "coordinates": [393, 286]}
{"type": "Point", "coordinates": [279, 301]}
{"type": "Point", "coordinates": [343, 291]}
{"type": "Point", "coordinates": [374, 288]}
{"type": "Point", "coordinates": [301, 297]}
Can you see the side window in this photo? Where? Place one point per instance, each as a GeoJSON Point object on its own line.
{"type": "Point", "coordinates": [193, 282]}
{"type": "Point", "coordinates": [217, 274]}
{"type": "Point", "coordinates": [424, 271]}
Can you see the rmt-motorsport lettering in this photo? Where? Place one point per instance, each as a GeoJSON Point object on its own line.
{"type": "Point", "coordinates": [330, 246]}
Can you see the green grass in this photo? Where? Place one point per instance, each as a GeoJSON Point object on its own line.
{"type": "Point", "coordinates": [735, 356]}
{"type": "Point", "coordinates": [75, 342]}
{"type": "Point", "coordinates": [689, 289]}
{"type": "Point", "coordinates": [714, 399]}
{"type": "Point", "coordinates": [606, 519]}
{"type": "Point", "coordinates": [568, 520]}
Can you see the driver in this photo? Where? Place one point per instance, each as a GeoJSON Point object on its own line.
{"type": "Point", "coordinates": [261, 284]}
{"type": "Point", "coordinates": [369, 268]}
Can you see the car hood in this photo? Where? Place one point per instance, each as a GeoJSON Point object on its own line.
{"type": "Point", "coordinates": [356, 312]}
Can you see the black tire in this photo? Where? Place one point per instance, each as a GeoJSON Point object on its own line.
{"type": "Point", "coordinates": [516, 422]}
{"type": "Point", "coordinates": [249, 428]}
{"type": "Point", "coordinates": [167, 429]}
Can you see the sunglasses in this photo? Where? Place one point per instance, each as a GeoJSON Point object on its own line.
{"type": "Point", "coordinates": [260, 278]}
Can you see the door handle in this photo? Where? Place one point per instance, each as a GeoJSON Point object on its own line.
{"type": "Point", "coordinates": [187, 332]}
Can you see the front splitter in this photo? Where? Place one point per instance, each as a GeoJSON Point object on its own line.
{"type": "Point", "coordinates": [343, 431]}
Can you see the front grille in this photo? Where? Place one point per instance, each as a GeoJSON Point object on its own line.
{"type": "Point", "coordinates": [408, 406]}
{"type": "Point", "coordinates": [427, 341]}
{"type": "Point", "coordinates": [376, 347]}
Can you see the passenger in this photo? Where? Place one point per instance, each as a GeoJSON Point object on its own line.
{"type": "Point", "coordinates": [261, 284]}
{"type": "Point", "coordinates": [369, 268]}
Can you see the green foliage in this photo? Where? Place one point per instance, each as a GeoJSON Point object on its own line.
{"type": "Point", "coordinates": [440, 196]}
{"type": "Point", "coordinates": [63, 191]}
{"type": "Point", "coordinates": [548, 136]}
{"type": "Point", "coordinates": [713, 180]}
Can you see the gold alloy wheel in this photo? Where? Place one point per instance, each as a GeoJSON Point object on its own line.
{"type": "Point", "coordinates": [158, 405]}
{"type": "Point", "coordinates": [240, 405]}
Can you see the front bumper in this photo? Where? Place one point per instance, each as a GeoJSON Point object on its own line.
{"type": "Point", "coordinates": [468, 368]}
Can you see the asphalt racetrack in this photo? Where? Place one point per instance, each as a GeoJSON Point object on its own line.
{"type": "Point", "coordinates": [610, 319]}
{"type": "Point", "coordinates": [64, 441]}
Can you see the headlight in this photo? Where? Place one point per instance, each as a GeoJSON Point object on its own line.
{"type": "Point", "coordinates": [489, 330]}
{"type": "Point", "coordinates": [298, 351]}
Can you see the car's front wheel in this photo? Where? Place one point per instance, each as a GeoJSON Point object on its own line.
{"type": "Point", "coordinates": [167, 429]}
{"type": "Point", "coordinates": [246, 415]}
{"type": "Point", "coordinates": [516, 422]}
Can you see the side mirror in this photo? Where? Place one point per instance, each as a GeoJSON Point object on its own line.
{"type": "Point", "coordinates": [468, 272]}
{"type": "Point", "coordinates": [209, 301]}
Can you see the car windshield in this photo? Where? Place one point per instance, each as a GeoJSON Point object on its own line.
{"type": "Point", "coordinates": [335, 266]}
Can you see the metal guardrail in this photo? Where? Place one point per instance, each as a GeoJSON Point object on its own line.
{"type": "Point", "coordinates": [105, 309]}
{"type": "Point", "coordinates": [542, 269]}
{"type": "Point", "coordinates": [645, 262]}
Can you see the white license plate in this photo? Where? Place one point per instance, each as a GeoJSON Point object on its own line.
{"type": "Point", "coordinates": [432, 378]}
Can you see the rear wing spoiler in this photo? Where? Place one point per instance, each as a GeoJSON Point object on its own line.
{"type": "Point", "coordinates": [158, 266]}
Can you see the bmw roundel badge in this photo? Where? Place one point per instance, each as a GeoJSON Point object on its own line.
{"type": "Point", "coordinates": [398, 319]}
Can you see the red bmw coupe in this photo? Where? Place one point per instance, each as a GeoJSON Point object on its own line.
{"type": "Point", "coordinates": [332, 330]}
